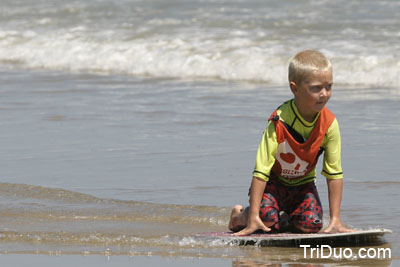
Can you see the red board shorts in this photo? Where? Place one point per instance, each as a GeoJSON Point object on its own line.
{"type": "Point", "coordinates": [301, 203]}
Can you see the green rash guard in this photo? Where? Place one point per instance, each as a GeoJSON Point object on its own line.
{"type": "Point", "coordinates": [268, 147]}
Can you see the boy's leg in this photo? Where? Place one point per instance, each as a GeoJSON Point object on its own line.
{"type": "Point", "coordinates": [307, 217]}
{"type": "Point", "coordinates": [269, 212]}
{"type": "Point", "coordinates": [270, 204]}
{"type": "Point", "coordinates": [239, 217]}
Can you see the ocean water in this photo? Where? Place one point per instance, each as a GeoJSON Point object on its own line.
{"type": "Point", "coordinates": [130, 126]}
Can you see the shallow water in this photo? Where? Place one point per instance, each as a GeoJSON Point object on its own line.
{"type": "Point", "coordinates": [64, 224]}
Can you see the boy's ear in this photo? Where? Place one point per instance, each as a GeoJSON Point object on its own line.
{"type": "Point", "coordinates": [293, 87]}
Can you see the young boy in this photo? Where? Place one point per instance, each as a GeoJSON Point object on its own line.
{"type": "Point", "coordinates": [298, 132]}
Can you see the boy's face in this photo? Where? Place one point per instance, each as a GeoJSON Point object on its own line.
{"type": "Point", "coordinates": [313, 93]}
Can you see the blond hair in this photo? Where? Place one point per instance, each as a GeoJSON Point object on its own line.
{"type": "Point", "coordinates": [306, 62]}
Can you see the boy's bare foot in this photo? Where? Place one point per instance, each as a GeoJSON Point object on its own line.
{"type": "Point", "coordinates": [235, 223]}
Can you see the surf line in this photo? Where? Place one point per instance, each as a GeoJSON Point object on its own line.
{"type": "Point", "coordinates": [326, 252]}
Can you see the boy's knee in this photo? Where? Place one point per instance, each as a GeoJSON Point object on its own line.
{"type": "Point", "coordinates": [270, 218]}
{"type": "Point", "coordinates": [308, 222]}
{"type": "Point", "coordinates": [269, 215]}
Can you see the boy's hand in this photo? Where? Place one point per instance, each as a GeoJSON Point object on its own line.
{"type": "Point", "coordinates": [336, 225]}
{"type": "Point", "coordinates": [254, 221]}
{"type": "Point", "coordinates": [252, 226]}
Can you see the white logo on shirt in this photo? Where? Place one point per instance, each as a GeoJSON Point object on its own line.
{"type": "Point", "coordinates": [292, 165]}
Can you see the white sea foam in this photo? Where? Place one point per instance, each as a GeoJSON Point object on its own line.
{"type": "Point", "coordinates": [179, 58]}
{"type": "Point", "coordinates": [206, 41]}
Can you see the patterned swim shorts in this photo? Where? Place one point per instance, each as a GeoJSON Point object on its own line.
{"type": "Point", "coordinates": [301, 203]}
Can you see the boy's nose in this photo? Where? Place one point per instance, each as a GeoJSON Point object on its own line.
{"type": "Point", "coordinates": [323, 92]}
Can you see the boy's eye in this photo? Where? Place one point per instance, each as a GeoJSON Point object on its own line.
{"type": "Point", "coordinates": [316, 88]}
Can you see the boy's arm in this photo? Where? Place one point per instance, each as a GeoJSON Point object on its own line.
{"type": "Point", "coordinates": [335, 189]}
{"type": "Point", "coordinates": [332, 170]}
{"type": "Point", "coordinates": [264, 162]}
{"type": "Point", "coordinates": [254, 222]}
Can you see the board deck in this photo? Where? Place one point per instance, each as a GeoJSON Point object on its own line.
{"type": "Point", "coordinates": [357, 238]}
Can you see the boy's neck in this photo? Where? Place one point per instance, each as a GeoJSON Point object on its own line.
{"type": "Point", "coordinates": [307, 116]}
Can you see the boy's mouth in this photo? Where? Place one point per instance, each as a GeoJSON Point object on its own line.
{"type": "Point", "coordinates": [320, 104]}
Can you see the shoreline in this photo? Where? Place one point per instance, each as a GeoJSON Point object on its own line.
{"type": "Point", "coordinates": [105, 259]}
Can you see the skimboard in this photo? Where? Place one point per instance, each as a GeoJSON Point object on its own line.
{"type": "Point", "coordinates": [357, 238]}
